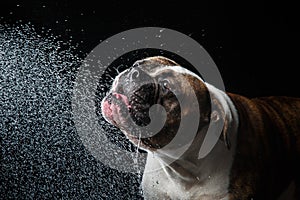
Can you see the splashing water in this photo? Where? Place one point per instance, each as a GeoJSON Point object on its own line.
{"type": "Point", "coordinates": [137, 156]}
{"type": "Point", "coordinates": [41, 154]}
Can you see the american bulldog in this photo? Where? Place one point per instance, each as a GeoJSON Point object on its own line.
{"type": "Point", "coordinates": [258, 151]}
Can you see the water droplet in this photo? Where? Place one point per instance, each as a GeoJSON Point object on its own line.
{"type": "Point", "coordinates": [37, 75]}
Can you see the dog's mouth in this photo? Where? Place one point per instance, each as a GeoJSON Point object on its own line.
{"type": "Point", "coordinates": [140, 102]}
{"type": "Point", "coordinates": [118, 107]}
{"type": "Point", "coordinates": [127, 111]}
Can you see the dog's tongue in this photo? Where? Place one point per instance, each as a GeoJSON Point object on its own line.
{"type": "Point", "coordinates": [123, 98]}
{"type": "Point", "coordinates": [106, 109]}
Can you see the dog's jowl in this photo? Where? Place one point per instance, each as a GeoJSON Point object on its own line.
{"type": "Point", "coordinates": [256, 156]}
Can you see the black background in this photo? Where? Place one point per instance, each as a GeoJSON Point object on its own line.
{"type": "Point", "coordinates": [255, 46]}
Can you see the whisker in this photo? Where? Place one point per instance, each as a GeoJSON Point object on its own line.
{"type": "Point", "coordinates": [117, 69]}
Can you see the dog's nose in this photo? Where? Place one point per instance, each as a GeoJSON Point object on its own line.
{"type": "Point", "coordinates": [134, 80]}
{"type": "Point", "coordinates": [138, 75]}
{"type": "Point", "coordinates": [135, 74]}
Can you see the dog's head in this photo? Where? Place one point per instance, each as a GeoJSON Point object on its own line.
{"type": "Point", "coordinates": [155, 80]}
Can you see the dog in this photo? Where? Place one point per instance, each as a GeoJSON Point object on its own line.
{"type": "Point", "coordinates": [256, 156]}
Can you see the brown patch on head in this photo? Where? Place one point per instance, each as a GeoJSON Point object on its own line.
{"type": "Point", "coordinates": [203, 98]}
{"type": "Point", "coordinates": [152, 64]}
{"type": "Point", "coordinates": [160, 60]}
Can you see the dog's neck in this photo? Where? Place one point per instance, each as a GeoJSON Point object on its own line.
{"type": "Point", "coordinates": [212, 170]}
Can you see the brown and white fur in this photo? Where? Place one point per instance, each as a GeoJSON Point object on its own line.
{"type": "Point", "coordinates": [256, 156]}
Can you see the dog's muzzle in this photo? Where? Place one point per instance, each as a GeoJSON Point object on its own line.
{"type": "Point", "coordinates": [134, 93]}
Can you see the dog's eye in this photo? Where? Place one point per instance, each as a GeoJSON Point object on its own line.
{"type": "Point", "coordinates": [165, 84]}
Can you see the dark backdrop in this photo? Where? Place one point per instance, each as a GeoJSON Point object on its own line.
{"type": "Point", "coordinates": [255, 46]}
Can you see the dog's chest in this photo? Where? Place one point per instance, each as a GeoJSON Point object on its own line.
{"type": "Point", "coordinates": [160, 184]}
{"type": "Point", "coordinates": [160, 187]}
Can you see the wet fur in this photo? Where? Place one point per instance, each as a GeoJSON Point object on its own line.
{"type": "Point", "coordinates": [256, 157]}
{"type": "Point", "coordinates": [268, 147]}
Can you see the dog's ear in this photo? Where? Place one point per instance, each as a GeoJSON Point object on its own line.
{"type": "Point", "coordinates": [220, 116]}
